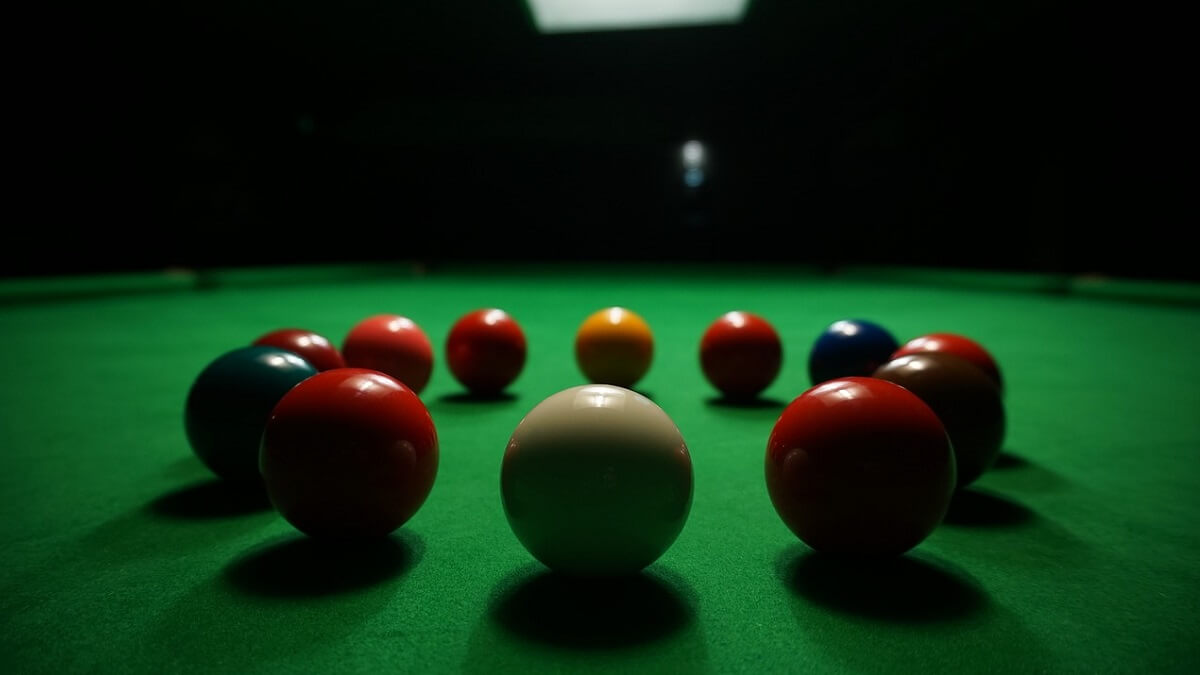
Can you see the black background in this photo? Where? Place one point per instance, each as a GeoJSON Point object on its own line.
{"type": "Point", "coordinates": [1003, 135]}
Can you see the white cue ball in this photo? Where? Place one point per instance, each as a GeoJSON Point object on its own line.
{"type": "Point", "coordinates": [596, 481]}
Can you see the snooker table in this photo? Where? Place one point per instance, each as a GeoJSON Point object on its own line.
{"type": "Point", "coordinates": [1079, 551]}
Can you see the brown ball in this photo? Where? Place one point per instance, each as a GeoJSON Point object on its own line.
{"type": "Point", "coordinates": [966, 400]}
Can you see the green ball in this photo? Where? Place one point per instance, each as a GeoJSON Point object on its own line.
{"type": "Point", "coordinates": [229, 404]}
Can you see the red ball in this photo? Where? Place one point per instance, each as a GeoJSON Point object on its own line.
{"type": "Point", "coordinates": [391, 344]}
{"type": "Point", "coordinates": [310, 346]}
{"type": "Point", "coordinates": [486, 350]}
{"type": "Point", "coordinates": [351, 453]}
{"type": "Point", "coordinates": [860, 465]}
{"type": "Point", "coordinates": [741, 354]}
{"type": "Point", "coordinates": [959, 345]}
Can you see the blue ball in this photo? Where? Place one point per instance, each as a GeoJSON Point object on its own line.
{"type": "Point", "coordinates": [850, 348]}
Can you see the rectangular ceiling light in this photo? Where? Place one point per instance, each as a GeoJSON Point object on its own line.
{"type": "Point", "coordinates": [572, 16]}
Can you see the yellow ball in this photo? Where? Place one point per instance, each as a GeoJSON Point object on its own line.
{"type": "Point", "coordinates": [614, 346]}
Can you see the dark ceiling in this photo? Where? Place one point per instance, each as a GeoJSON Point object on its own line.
{"type": "Point", "coordinates": [973, 134]}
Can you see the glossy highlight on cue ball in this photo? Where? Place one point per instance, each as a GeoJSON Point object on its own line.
{"type": "Point", "coordinates": [596, 480]}
{"type": "Point", "coordinates": [310, 346]}
{"type": "Point", "coordinates": [860, 465]}
{"type": "Point", "coordinates": [349, 453]}
{"type": "Point", "coordinates": [230, 401]}
{"type": "Point", "coordinates": [614, 346]}
{"type": "Point", "coordinates": [485, 350]}
{"type": "Point", "coordinates": [966, 400]}
{"type": "Point", "coordinates": [392, 344]}
{"type": "Point", "coordinates": [740, 354]}
{"type": "Point", "coordinates": [959, 345]}
{"type": "Point", "coordinates": [849, 348]}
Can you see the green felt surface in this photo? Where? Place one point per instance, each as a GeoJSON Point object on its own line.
{"type": "Point", "coordinates": [1079, 552]}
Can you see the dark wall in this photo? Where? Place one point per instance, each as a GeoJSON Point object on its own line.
{"type": "Point", "coordinates": [994, 134]}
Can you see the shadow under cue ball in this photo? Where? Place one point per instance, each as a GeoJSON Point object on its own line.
{"type": "Point", "coordinates": [230, 401]}
{"type": "Point", "coordinates": [964, 397]}
{"type": "Point", "coordinates": [596, 480]}
{"type": "Point", "coordinates": [349, 453]}
{"type": "Point", "coordinates": [859, 465]}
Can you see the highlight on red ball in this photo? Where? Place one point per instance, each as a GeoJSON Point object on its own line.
{"type": "Point", "coordinates": [392, 344]}
{"type": "Point", "coordinates": [486, 351]}
{"type": "Point", "coordinates": [741, 354]}
{"type": "Point", "coordinates": [308, 345]}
